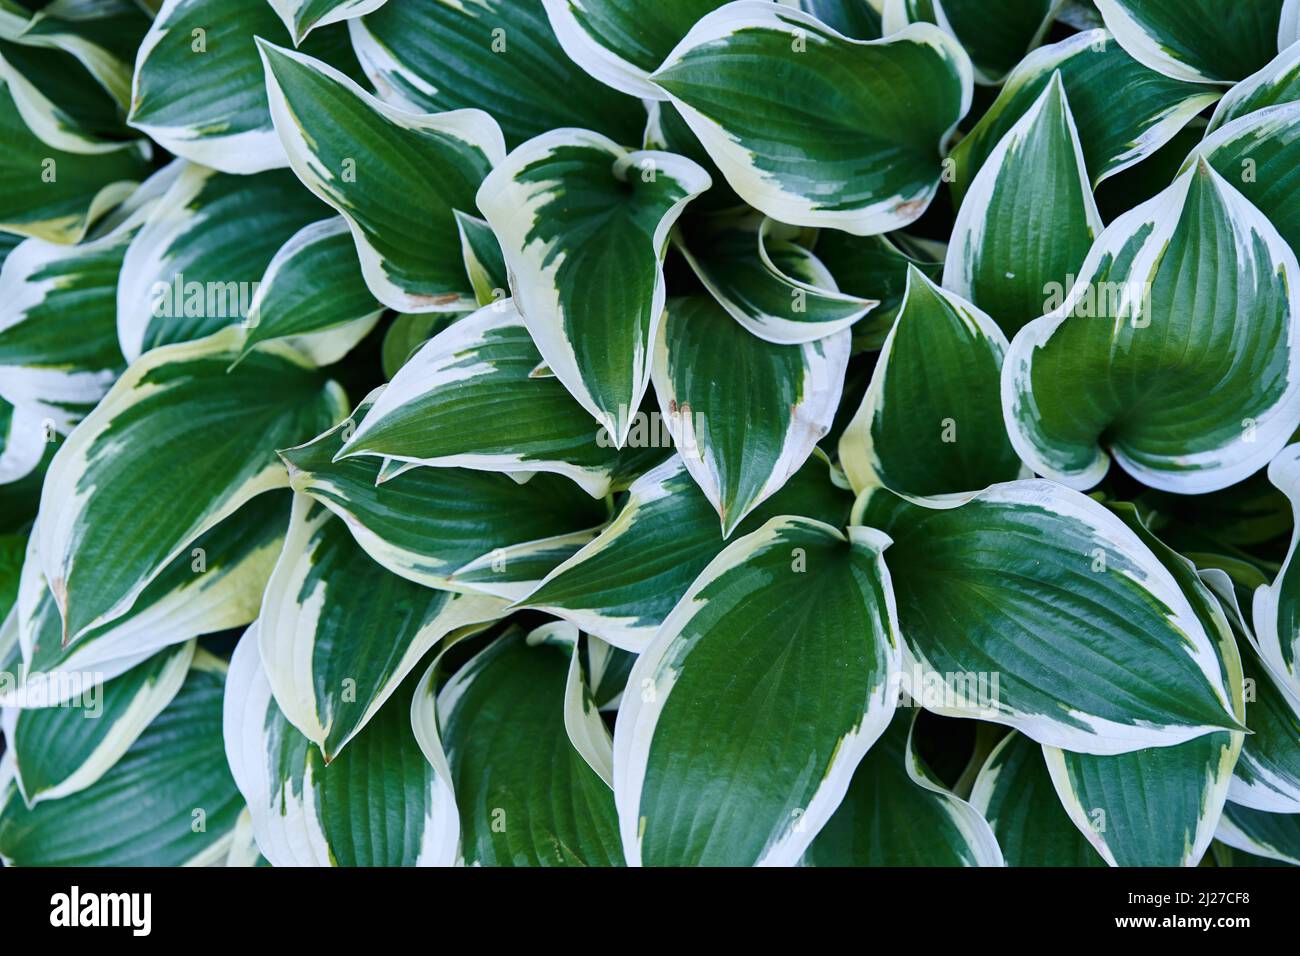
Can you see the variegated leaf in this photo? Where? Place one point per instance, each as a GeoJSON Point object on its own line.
{"type": "Point", "coordinates": [1096, 74]}
{"type": "Point", "coordinates": [56, 752]}
{"type": "Point", "coordinates": [1274, 836]}
{"type": "Point", "coordinates": [397, 177]}
{"type": "Point", "coordinates": [1197, 41]}
{"type": "Point", "coordinates": [1159, 806]}
{"type": "Point", "coordinates": [376, 805]}
{"type": "Point", "coordinates": [497, 55]}
{"type": "Point", "coordinates": [313, 295]}
{"type": "Point", "coordinates": [1259, 154]}
{"type": "Point", "coordinates": [897, 814]}
{"type": "Point", "coordinates": [1015, 794]}
{"type": "Point", "coordinates": [197, 89]}
{"type": "Point", "coordinates": [302, 16]}
{"type": "Point", "coordinates": [1029, 218]}
{"type": "Point", "coordinates": [1193, 286]}
{"type": "Point", "coordinates": [450, 528]}
{"type": "Point", "coordinates": [145, 810]}
{"type": "Point", "coordinates": [931, 423]}
{"type": "Point", "coordinates": [1276, 610]}
{"type": "Point", "coordinates": [195, 265]}
{"type": "Point", "coordinates": [622, 585]}
{"type": "Point", "coordinates": [204, 442]}
{"type": "Point", "coordinates": [24, 436]}
{"type": "Point", "coordinates": [427, 415]}
{"type": "Point", "coordinates": [214, 584]}
{"type": "Point", "coordinates": [53, 188]}
{"type": "Point", "coordinates": [59, 349]}
{"type": "Point", "coordinates": [621, 42]}
{"type": "Point", "coordinates": [821, 150]}
{"type": "Point", "coordinates": [775, 288]}
{"type": "Point", "coordinates": [1032, 605]}
{"type": "Point", "coordinates": [583, 224]}
{"type": "Point", "coordinates": [1276, 83]}
{"type": "Point", "coordinates": [339, 633]}
{"type": "Point", "coordinates": [745, 414]}
{"type": "Point", "coordinates": [484, 263]}
{"type": "Point", "coordinates": [812, 694]}
{"type": "Point", "coordinates": [527, 793]}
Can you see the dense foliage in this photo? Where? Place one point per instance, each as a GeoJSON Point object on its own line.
{"type": "Point", "coordinates": [603, 432]}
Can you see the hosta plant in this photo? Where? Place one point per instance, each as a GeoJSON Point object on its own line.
{"type": "Point", "coordinates": [586, 432]}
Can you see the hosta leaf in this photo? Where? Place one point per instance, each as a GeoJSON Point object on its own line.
{"type": "Point", "coordinates": [896, 814]}
{"type": "Point", "coordinates": [198, 91]}
{"type": "Point", "coordinates": [1029, 218]}
{"type": "Point", "coordinates": [396, 177]}
{"type": "Point", "coordinates": [50, 191]}
{"type": "Point", "coordinates": [103, 36]}
{"type": "Point", "coordinates": [1015, 793]}
{"type": "Point", "coordinates": [850, 135]}
{"type": "Point", "coordinates": [812, 694]}
{"type": "Point", "coordinates": [930, 422]}
{"type": "Point", "coordinates": [1157, 313]}
{"type": "Point", "coordinates": [60, 750]}
{"type": "Point", "coordinates": [1196, 40]}
{"type": "Point", "coordinates": [373, 806]}
{"type": "Point", "coordinates": [439, 527]}
{"type": "Point", "coordinates": [526, 794]}
{"type": "Point", "coordinates": [59, 349]}
{"type": "Point", "coordinates": [777, 289]}
{"type": "Point", "coordinates": [61, 101]}
{"type": "Point", "coordinates": [622, 585]}
{"type": "Point", "coordinates": [204, 441]}
{"type": "Point", "coordinates": [168, 801]}
{"type": "Point", "coordinates": [1276, 610]}
{"type": "Point", "coordinates": [339, 633]}
{"type": "Point", "coordinates": [1258, 154]}
{"type": "Point", "coordinates": [1158, 806]}
{"type": "Point", "coordinates": [431, 411]}
{"type": "Point", "coordinates": [302, 16]}
{"type": "Point", "coordinates": [621, 42]}
{"type": "Point", "coordinates": [996, 33]}
{"type": "Point", "coordinates": [23, 440]}
{"type": "Point", "coordinates": [1274, 836]}
{"type": "Point", "coordinates": [195, 266]}
{"type": "Point", "coordinates": [745, 414]}
{"type": "Point", "coordinates": [583, 224]}
{"type": "Point", "coordinates": [1267, 777]}
{"type": "Point", "coordinates": [873, 267]}
{"type": "Point", "coordinates": [1096, 73]}
{"type": "Point", "coordinates": [498, 55]}
{"type": "Point", "coordinates": [1276, 83]}
{"type": "Point", "coordinates": [214, 584]}
{"type": "Point", "coordinates": [666, 130]}
{"type": "Point", "coordinates": [484, 263]}
{"type": "Point", "coordinates": [313, 295]}
{"type": "Point", "coordinates": [1032, 605]}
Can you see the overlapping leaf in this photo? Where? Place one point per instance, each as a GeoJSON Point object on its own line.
{"type": "Point", "coordinates": [745, 414]}
{"type": "Point", "coordinates": [397, 177]}
{"type": "Point", "coordinates": [849, 138]}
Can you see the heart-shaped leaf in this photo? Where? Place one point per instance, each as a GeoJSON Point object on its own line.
{"type": "Point", "coordinates": [1192, 286]}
